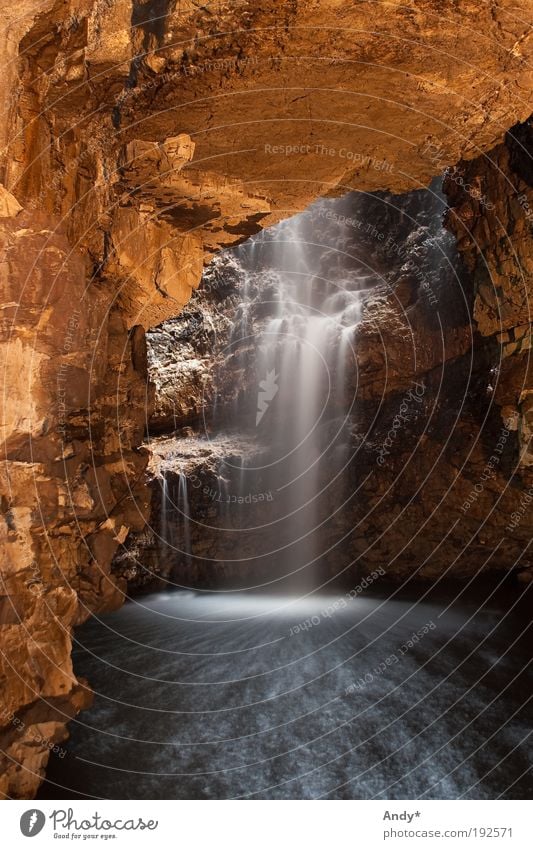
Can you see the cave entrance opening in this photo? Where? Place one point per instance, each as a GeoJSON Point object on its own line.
{"type": "Point", "coordinates": [260, 396]}
{"type": "Point", "coordinates": [276, 459]}
{"type": "Point", "coordinates": [241, 686]}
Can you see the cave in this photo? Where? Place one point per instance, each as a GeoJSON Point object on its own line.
{"type": "Point", "coordinates": [267, 468]}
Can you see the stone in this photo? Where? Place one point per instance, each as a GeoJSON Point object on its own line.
{"type": "Point", "coordinates": [93, 247]}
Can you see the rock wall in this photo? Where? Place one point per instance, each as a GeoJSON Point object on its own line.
{"type": "Point", "coordinates": [138, 138]}
{"type": "Point", "coordinates": [491, 214]}
{"type": "Point", "coordinates": [72, 483]}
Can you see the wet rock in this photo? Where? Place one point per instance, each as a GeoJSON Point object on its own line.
{"type": "Point", "coordinates": [93, 247]}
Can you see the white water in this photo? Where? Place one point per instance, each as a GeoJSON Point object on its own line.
{"type": "Point", "coordinates": [184, 511]}
{"type": "Point", "coordinates": [175, 521]}
{"type": "Point", "coordinates": [295, 327]}
{"type": "Point", "coordinates": [301, 371]}
{"type": "Point", "coordinates": [165, 524]}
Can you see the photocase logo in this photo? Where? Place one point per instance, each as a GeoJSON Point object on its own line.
{"type": "Point", "coordinates": [268, 389]}
{"type": "Point", "coordinates": [32, 822]}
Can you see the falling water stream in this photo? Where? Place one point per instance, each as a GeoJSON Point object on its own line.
{"type": "Point", "coordinates": [294, 407]}
{"type": "Point", "coordinates": [184, 512]}
{"type": "Point", "coordinates": [301, 359]}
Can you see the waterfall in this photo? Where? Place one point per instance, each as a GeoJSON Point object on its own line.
{"type": "Point", "coordinates": [164, 523]}
{"type": "Point", "coordinates": [301, 373]}
{"type": "Point", "coordinates": [175, 520]}
{"type": "Point", "coordinates": [184, 513]}
{"type": "Point", "coordinates": [283, 370]}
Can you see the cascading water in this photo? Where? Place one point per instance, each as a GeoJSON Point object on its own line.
{"type": "Point", "coordinates": [165, 526]}
{"type": "Point", "coordinates": [273, 449]}
{"type": "Point", "coordinates": [284, 382]}
{"type": "Point", "coordinates": [175, 519]}
{"type": "Point", "coordinates": [301, 360]}
{"type": "Point", "coordinates": [183, 508]}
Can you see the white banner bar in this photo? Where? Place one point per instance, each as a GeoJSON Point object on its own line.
{"type": "Point", "coordinates": [268, 824]}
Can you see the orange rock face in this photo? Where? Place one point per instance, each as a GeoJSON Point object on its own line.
{"type": "Point", "coordinates": [133, 148]}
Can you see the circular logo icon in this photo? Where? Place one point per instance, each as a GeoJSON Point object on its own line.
{"type": "Point", "coordinates": [32, 822]}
